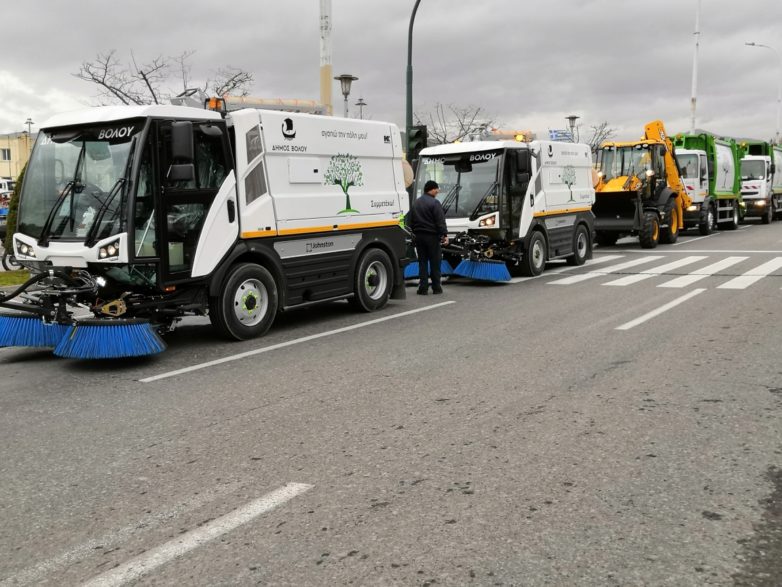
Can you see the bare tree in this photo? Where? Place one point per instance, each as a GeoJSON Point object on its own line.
{"type": "Point", "coordinates": [151, 82]}
{"type": "Point", "coordinates": [600, 134]}
{"type": "Point", "coordinates": [449, 123]}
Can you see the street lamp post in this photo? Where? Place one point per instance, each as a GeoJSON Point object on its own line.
{"type": "Point", "coordinates": [361, 105]}
{"type": "Point", "coordinates": [409, 106]}
{"type": "Point", "coordinates": [346, 80]}
{"type": "Point", "coordinates": [572, 123]}
{"type": "Point", "coordinates": [779, 89]}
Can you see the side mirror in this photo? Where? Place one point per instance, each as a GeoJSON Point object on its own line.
{"type": "Point", "coordinates": [522, 177]}
{"type": "Point", "coordinates": [182, 141]}
{"type": "Point", "coordinates": [523, 161]}
{"type": "Point", "coordinates": [773, 168]}
{"type": "Point", "coordinates": [182, 168]}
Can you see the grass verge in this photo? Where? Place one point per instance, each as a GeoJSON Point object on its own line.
{"type": "Point", "coordinates": [14, 277]}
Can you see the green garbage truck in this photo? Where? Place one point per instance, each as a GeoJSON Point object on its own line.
{"type": "Point", "coordinates": [710, 169]}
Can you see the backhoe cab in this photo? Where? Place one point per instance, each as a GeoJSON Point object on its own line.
{"type": "Point", "coordinates": [639, 190]}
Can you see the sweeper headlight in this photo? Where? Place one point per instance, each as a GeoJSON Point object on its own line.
{"type": "Point", "coordinates": [488, 222]}
{"type": "Point", "coordinates": [693, 208]}
{"type": "Point", "coordinates": [109, 251]}
{"type": "Point", "coordinates": [24, 249]}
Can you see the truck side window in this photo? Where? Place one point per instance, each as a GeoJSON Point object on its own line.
{"type": "Point", "coordinates": [144, 213]}
{"type": "Point", "coordinates": [704, 174]}
{"type": "Point", "coordinates": [186, 204]}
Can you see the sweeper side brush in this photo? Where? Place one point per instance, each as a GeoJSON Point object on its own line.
{"type": "Point", "coordinates": [29, 331]}
{"type": "Point", "coordinates": [109, 339]}
{"type": "Point", "coordinates": [484, 270]}
{"type": "Point", "coordinates": [411, 270]}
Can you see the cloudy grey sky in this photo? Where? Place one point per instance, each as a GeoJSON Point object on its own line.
{"type": "Point", "coordinates": [528, 63]}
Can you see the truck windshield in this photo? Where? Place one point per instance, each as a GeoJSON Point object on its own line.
{"type": "Point", "coordinates": [76, 178]}
{"type": "Point", "coordinates": [753, 169]}
{"type": "Point", "coordinates": [466, 180]}
{"type": "Point", "coordinates": [688, 165]}
{"type": "Point", "coordinates": [623, 161]}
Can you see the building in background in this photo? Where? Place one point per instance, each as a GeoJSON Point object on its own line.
{"type": "Point", "coordinates": [15, 150]}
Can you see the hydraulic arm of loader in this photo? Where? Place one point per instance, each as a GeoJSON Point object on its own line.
{"type": "Point", "coordinates": [655, 131]}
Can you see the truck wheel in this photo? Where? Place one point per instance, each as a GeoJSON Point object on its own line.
{"type": "Point", "coordinates": [670, 234]}
{"type": "Point", "coordinates": [247, 304]}
{"type": "Point", "coordinates": [768, 215]}
{"type": "Point", "coordinates": [707, 224]}
{"type": "Point", "coordinates": [606, 239]}
{"type": "Point", "coordinates": [534, 260]}
{"type": "Point", "coordinates": [734, 221]}
{"type": "Point", "coordinates": [373, 281]}
{"type": "Point", "coordinates": [581, 246]}
{"type": "Point", "coordinates": [650, 231]}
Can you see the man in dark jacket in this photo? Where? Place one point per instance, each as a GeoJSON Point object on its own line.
{"type": "Point", "coordinates": [430, 231]}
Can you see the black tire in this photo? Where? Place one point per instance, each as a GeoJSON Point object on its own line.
{"type": "Point", "coordinates": [650, 231]}
{"type": "Point", "coordinates": [606, 239]}
{"type": "Point", "coordinates": [10, 263]}
{"type": "Point", "coordinates": [708, 223]}
{"type": "Point", "coordinates": [768, 214]}
{"type": "Point", "coordinates": [582, 246]}
{"type": "Point", "coordinates": [733, 224]}
{"type": "Point", "coordinates": [373, 281]}
{"type": "Point", "coordinates": [670, 234]}
{"type": "Point", "coordinates": [247, 304]}
{"type": "Point", "coordinates": [533, 262]}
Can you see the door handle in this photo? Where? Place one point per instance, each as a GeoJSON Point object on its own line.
{"type": "Point", "coordinates": [231, 211]}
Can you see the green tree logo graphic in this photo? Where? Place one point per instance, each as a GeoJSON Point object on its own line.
{"type": "Point", "coordinates": [344, 171]}
{"type": "Point", "coordinates": [569, 178]}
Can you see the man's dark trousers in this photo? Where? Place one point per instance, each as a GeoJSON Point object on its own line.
{"type": "Point", "coordinates": [429, 253]}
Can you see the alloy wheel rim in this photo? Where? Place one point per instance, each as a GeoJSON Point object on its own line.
{"type": "Point", "coordinates": [251, 302]}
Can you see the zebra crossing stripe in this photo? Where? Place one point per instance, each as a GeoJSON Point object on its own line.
{"type": "Point", "coordinates": [595, 261]}
{"type": "Point", "coordinates": [703, 273]}
{"type": "Point", "coordinates": [630, 279]}
{"type": "Point", "coordinates": [753, 275]}
{"type": "Point", "coordinates": [612, 269]}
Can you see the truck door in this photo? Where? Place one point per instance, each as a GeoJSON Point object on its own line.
{"type": "Point", "coordinates": [518, 169]}
{"type": "Point", "coordinates": [198, 217]}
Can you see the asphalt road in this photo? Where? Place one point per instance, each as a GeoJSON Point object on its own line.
{"type": "Point", "coordinates": [600, 425]}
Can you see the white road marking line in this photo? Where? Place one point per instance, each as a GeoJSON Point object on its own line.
{"type": "Point", "coordinates": [753, 275]}
{"type": "Point", "coordinates": [660, 310]}
{"type": "Point", "coordinates": [596, 261]}
{"type": "Point", "coordinates": [35, 575]}
{"type": "Point", "coordinates": [710, 251]}
{"type": "Point", "coordinates": [152, 559]}
{"type": "Point", "coordinates": [702, 273]}
{"type": "Point", "coordinates": [745, 227]}
{"type": "Point", "coordinates": [606, 271]}
{"type": "Point", "coordinates": [630, 279]}
{"type": "Point", "coordinates": [692, 240]}
{"type": "Point", "coordinates": [282, 345]}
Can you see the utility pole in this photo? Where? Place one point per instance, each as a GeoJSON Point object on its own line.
{"type": "Point", "coordinates": [693, 99]}
{"type": "Point", "coordinates": [325, 55]}
{"type": "Point", "coordinates": [779, 89]}
{"type": "Point", "coordinates": [409, 109]}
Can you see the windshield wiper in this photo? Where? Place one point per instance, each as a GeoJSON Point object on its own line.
{"type": "Point", "coordinates": [450, 197]}
{"type": "Point", "coordinates": [43, 240]}
{"type": "Point", "coordinates": [483, 198]}
{"type": "Point", "coordinates": [91, 234]}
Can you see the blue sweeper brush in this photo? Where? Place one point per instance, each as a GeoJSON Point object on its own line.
{"type": "Point", "coordinates": [110, 339]}
{"type": "Point", "coordinates": [411, 269]}
{"type": "Point", "coordinates": [29, 331]}
{"type": "Point", "coordinates": [484, 270]}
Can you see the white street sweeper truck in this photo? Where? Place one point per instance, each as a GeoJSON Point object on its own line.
{"type": "Point", "coordinates": [140, 215]}
{"type": "Point", "coordinates": [512, 204]}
